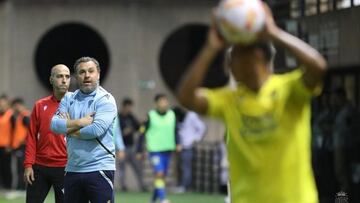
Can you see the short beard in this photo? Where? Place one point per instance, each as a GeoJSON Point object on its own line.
{"type": "Point", "coordinates": [87, 91]}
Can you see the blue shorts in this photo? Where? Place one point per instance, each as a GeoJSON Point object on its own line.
{"type": "Point", "coordinates": [96, 187]}
{"type": "Point", "coordinates": [160, 161]}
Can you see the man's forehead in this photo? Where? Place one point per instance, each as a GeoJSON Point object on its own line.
{"type": "Point", "coordinates": [62, 71]}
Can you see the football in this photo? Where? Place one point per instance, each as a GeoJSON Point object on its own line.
{"type": "Point", "coordinates": [239, 21]}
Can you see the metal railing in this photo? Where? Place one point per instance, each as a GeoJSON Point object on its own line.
{"type": "Point", "coordinates": [285, 9]}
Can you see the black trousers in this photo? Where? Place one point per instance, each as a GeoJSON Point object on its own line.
{"type": "Point", "coordinates": [18, 171]}
{"type": "Point", "coordinates": [5, 169]}
{"type": "Point", "coordinates": [94, 187]}
{"type": "Point", "coordinates": [45, 177]}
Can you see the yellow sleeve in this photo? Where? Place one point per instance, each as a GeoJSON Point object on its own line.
{"type": "Point", "coordinates": [216, 102]}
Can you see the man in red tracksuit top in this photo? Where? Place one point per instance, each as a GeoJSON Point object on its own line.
{"type": "Point", "coordinates": [45, 153]}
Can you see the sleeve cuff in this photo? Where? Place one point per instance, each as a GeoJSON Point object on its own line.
{"type": "Point", "coordinates": [60, 126]}
{"type": "Point", "coordinates": [85, 132]}
{"type": "Point", "coordinates": [82, 132]}
{"type": "Point", "coordinates": [27, 165]}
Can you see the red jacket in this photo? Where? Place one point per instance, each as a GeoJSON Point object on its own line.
{"type": "Point", "coordinates": [44, 147]}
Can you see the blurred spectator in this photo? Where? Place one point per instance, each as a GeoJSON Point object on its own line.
{"type": "Point", "coordinates": [20, 121]}
{"type": "Point", "coordinates": [336, 146]}
{"type": "Point", "coordinates": [129, 126]}
{"type": "Point", "coordinates": [323, 149]}
{"type": "Point", "coordinates": [342, 136]}
{"type": "Point", "coordinates": [224, 170]}
{"type": "Point", "coordinates": [161, 140]}
{"type": "Point", "coordinates": [191, 130]}
{"type": "Point", "coordinates": [5, 136]}
{"type": "Point", "coordinates": [118, 140]}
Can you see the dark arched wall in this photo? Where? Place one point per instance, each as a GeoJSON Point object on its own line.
{"type": "Point", "coordinates": [64, 44]}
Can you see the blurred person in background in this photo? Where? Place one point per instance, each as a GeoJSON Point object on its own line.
{"type": "Point", "coordinates": [45, 152]}
{"type": "Point", "coordinates": [6, 130]}
{"type": "Point", "coordinates": [118, 140]}
{"type": "Point", "coordinates": [343, 140]}
{"type": "Point", "coordinates": [129, 127]}
{"type": "Point", "coordinates": [161, 140]}
{"type": "Point", "coordinates": [190, 130]}
{"type": "Point", "coordinates": [20, 122]}
{"type": "Point", "coordinates": [323, 148]}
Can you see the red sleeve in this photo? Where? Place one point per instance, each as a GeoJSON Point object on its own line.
{"type": "Point", "coordinates": [30, 150]}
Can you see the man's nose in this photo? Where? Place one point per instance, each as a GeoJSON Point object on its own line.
{"type": "Point", "coordinates": [63, 80]}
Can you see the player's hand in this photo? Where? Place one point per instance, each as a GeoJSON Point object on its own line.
{"type": "Point", "coordinates": [8, 150]}
{"type": "Point", "coordinates": [139, 156]}
{"type": "Point", "coordinates": [67, 116]}
{"type": "Point", "coordinates": [120, 155]}
{"type": "Point", "coordinates": [29, 175]}
{"type": "Point", "coordinates": [64, 116]}
{"type": "Point", "coordinates": [214, 39]}
{"type": "Point", "coordinates": [87, 120]}
{"type": "Point", "coordinates": [127, 131]}
{"type": "Point", "coordinates": [75, 134]}
{"type": "Point", "coordinates": [270, 27]}
{"type": "Point", "coordinates": [178, 148]}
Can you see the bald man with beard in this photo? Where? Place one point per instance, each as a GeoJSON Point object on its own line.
{"type": "Point", "coordinates": [45, 154]}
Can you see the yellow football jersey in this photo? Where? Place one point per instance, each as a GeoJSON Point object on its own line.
{"type": "Point", "coordinates": [269, 140]}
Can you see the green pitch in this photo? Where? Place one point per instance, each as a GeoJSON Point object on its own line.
{"type": "Point", "coordinates": [143, 198]}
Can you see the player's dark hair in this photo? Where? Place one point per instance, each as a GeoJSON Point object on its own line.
{"type": "Point", "coordinates": [17, 100]}
{"type": "Point", "coordinates": [3, 96]}
{"type": "Point", "coordinates": [127, 101]}
{"type": "Point", "coordinates": [267, 48]}
{"type": "Point", "coordinates": [159, 96]}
